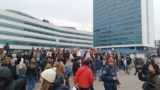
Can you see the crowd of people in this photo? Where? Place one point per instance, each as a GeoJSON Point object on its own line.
{"type": "Point", "coordinates": [53, 68]}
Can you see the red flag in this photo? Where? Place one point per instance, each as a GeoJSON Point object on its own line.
{"type": "Point", "coordinates": [92, 50]}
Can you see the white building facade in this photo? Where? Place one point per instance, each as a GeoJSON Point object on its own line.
{"type": "Point", "coordinates": [23, 31]}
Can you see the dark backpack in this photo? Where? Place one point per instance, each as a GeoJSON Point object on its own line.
{"type": "Point", "coordinates": [149, 86]}
{"type": "Point", "coordinates": [58, 83]}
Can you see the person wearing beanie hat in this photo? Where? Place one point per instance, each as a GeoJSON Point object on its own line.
{"type": "Point", "coordinates": [111, 60]}
{"type": "Point", "coordinates": [47, 78]}
{"type": "Point", "coordinates": [109, 76]}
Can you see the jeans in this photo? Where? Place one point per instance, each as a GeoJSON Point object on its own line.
{"type": "Point", "coordinates": [110, 87]}
{"type": "Point", "coordinates": [31, 83]}
{"type": "Point", "coordinates": [67, 81]}
{"type": "Point", "coordinates": [122, 67]}
{"type": "Point", "coordinates": [98, 73]}
{"type": "Point", "coordinates": [128, 68]}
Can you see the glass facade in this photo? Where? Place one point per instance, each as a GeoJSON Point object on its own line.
{"type": "Point", "coordinates": [20, 27]}
{"type": "Point", "coordinates": [117, 22]}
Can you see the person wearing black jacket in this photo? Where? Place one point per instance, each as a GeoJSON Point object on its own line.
{"type": "Point", "coordinates": [31, 74]}
{"type": "Point", "coordinates": [76, 65]}
{"type": "Point", "coordinates": [6, 48]}
{"type": "Point", "coordinates": [152, 79]}
{"type": "Point", "coordinates": [98, 67]}
{"type": "Point", "coordinates": [92, 66]}
{"type": "Point", "coordinates": [58, 83]}
{"type": "Point", "coordinates": [128, 66]}
{"type": "Point", "coordinates": [6, 80]}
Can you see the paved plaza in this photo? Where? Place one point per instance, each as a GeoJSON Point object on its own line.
{"type": "Point", "coordinates": [129, 82]}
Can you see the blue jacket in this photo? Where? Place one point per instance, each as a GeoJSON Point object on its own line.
{"type": "Point", "coordinates": [98, 64]}
{"type": "Point", "coordinates": [109, 73]}
{"type": "Point", "coordinates": [68, 70]}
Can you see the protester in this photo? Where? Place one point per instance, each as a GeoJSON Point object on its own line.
{"type": "Point", "coordinates": [47, 78]}
{"type": "Point", "coordinates": [92, 66]}
{"type": "Point", "coordinates": [84, 77]}
{"type": "Point", "coordinates": [6, 80]}
{"type": "Point", "coordinates": [49, 63]}
{"type": "Point", "coordinates": [31, 74]}
{"type": "Point", "coordinates": [6, 48]}
{"type": "Point", "coordinates": [98, 67]}
{"type": "Point", "coordinates": [152, 81]}
{"type": "Point", "coordinates": [68, 71]}
{"type": "Point", "coordinates": [110, 78]}
{"type": "Point", "coordinates": [76, 64]}
{"type": "Point", "coordinates": [50, 80]}
{"type": "Point", "coordinates": [138, 64]}
{"type": "Point", "coordinates": [128, 65]}
{"type": "Point", "coordinates": [13, 69]}
{"type": "Point", "coordinates": [59, 66]}
{"type": "Point", "coordinates": [122, 65]}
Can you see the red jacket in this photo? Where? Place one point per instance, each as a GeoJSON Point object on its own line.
{"type": "Point", "coordinates": [84, 77]}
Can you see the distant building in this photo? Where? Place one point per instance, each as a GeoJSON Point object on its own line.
{"type": "Point", "coordinates": [157, 45]}
{"type": "Point", "coordinates": [125, 25]}
{"type": "Point", "coordinates": [23, 31]}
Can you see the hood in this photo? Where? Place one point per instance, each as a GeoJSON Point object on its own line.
{"type": "Point", "coordinates": [5, 73]}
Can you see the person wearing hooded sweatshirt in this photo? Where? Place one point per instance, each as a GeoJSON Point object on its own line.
{"type": "Point", "coordinates": [6, 80]}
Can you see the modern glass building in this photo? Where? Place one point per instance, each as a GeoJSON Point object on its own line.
{"type": "Point", "coordinates": [125, 25]}
{"type": "Point", "coordinates": [23, 31]}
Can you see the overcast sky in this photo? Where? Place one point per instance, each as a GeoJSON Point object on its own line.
{"type": "Point", "coordinates": [76, 13]}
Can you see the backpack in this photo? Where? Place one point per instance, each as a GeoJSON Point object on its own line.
{"type": "Point", "coordinates": [61, 87]}
{"type": "Point", "coordinates": [101, 77]}
{"type": "Point", "coordinates": [149, 86]}
{"type": "Point", "coordinates": [58, 83]}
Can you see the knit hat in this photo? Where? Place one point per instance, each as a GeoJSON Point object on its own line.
{"type": "Point", "coordinates": [111, 60]}
{"type": "Point", "coordinates": [49, 74]}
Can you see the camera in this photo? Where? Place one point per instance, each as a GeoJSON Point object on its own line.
{"type": "Point", "coordinates": [139, 67]}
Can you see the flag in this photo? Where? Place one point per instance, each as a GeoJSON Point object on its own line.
{"type": "Point", "coordinates": [57, 41]}
{"type": "Point", "coordinates": [92, 50]}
